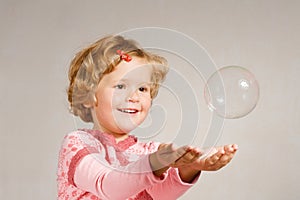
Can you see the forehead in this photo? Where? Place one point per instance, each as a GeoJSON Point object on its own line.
{"type": "Point", "coordinates": [137, 70]}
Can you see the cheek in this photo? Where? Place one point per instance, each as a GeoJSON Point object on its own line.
{"type": "Point", "coordinates": [107, 99]}
{"type": "Point", "coordinates": [147, 104]}
{"type": "Point", "coordinates": [104, 108]}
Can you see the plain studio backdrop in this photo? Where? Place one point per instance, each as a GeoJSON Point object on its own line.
{"type": "Point", "coordinates": [39, 38]}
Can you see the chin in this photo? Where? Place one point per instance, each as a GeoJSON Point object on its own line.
{"type": "Point", "coordinates": [127, 128]}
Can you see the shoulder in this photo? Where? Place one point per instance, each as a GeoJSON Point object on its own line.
{"type": "Point", "coordinates": [78, 140]}
{"type": "Point", "coordinates": [75, 146]}
{"type": "Point", "coordinates": [80, 137]}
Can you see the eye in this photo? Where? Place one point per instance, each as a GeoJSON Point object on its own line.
{"type": "Point", "coordinates": [143, 89]}
{"type": "Point", "coordinates": [120, 86]}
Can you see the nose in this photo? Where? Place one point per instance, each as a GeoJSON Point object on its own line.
{"type": "Point", "coordinates": [133, 97]}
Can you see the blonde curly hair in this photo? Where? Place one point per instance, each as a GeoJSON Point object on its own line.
{"type": "Point", "coordinates": [91, 63]}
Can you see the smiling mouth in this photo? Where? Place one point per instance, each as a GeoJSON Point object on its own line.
{"type": "Point", "coordinates": [129, 110]}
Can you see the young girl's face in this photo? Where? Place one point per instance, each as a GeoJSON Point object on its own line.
{"type": "Point", "coordinates": [123, 97]}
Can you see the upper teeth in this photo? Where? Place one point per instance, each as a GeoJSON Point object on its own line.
{"type": "Point", "coordinates": [128, 111]}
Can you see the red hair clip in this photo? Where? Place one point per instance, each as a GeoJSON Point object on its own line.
{"type": "Point", "coordinates": [124, 56]}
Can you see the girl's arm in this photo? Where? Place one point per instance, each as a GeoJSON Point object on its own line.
{"type": "Point", "coordinates": [94, 175]}
{"type": "Point", "coordinates": [107, 183]}
{"type": "Point", "coordinates": [171, 188]}
{"type": "Point", "coordinates": [178, 180]}
{"type": "Point", "coordinates": [83, 168]}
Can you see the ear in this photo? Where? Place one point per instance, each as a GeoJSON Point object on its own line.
{"type": "Point", "coordinates": [90, 104]}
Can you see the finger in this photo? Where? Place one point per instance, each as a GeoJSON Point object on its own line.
{"type": "Point", "coordinates": [196, 153]}
{"type": "Point", "coordinates": [178, 153]}
{"type": "Point", "coordinates": [162, 145]}
{"type": "Point", "coordinates": [168, 154]}
{"type": "Point", "coordinates": [235, 147]}
{"type": "Point", "coordinates": [230, 148]}
{"type": "Point", "coordinates": [189, 157]}
{"type": "Point", "coordinates": [217, 154]}
{"type": "Point", "coordinates": [213, 159]}
{"type": "Point", "coordinates": [226, 158]}
{"type": "Point", "coordinates": [215, 162]}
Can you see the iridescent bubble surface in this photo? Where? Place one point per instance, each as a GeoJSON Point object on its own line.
{"type": "Point", "coordinates": [232, 92]}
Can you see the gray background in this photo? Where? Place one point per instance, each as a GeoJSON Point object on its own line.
{"type": "Point", "coordinates": [38, 39]}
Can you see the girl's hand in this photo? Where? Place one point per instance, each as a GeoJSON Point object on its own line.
{"type": "Point", "coordinates": [218, 159]}
{"type": "Point", "coordinates": [163, 158]}
{"type": "Point", "coordinates": [190, 164]}
{"type": "Point", "coordinates": [191, 156]}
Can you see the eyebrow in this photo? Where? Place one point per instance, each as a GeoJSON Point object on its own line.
{"type": "Point", "coordinates": [129, 80]}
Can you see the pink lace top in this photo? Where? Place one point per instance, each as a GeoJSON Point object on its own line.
{"type": "Point", "coordinates": [93, 166]}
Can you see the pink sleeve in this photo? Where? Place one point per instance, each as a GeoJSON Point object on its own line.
{"type": "Point", "coordinates": [90, 175]}
{"type": "Point", "coordinates": [171, 188]}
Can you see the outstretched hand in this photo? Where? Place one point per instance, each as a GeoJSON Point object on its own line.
{"type": "Point", "coordinates": [188, 159]}
{"type": "Point", "coordinates": [191, 163]}
{"type": "Point", "coordinates": [219, 158]}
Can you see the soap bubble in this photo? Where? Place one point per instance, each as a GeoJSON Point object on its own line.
{"type": "Point", "coordinates": [231, 92]}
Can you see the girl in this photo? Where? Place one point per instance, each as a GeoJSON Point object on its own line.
{"type": "Point", "coordinates": [112, 84]}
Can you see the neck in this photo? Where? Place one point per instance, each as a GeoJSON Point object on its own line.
{"type": "Point", "coordinates": [118, 136]}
